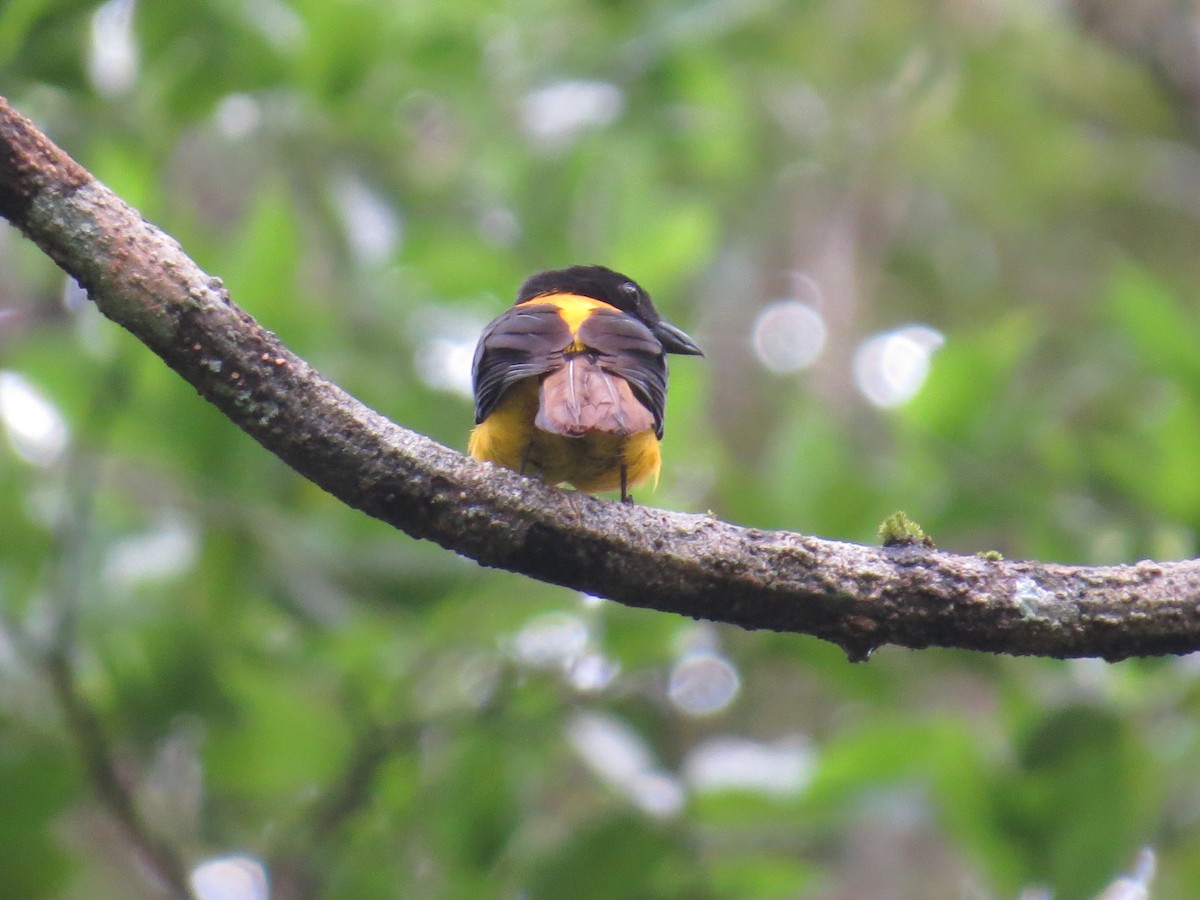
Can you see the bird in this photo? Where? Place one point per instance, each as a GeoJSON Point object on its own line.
{"type": "Point", "coordinates": [570, 382]}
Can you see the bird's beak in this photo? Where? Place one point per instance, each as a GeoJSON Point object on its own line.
{"type": "Point", "coordinates": [673, 340]}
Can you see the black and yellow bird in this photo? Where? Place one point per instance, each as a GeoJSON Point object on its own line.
{"type": "Point", "coordinates": [571, 381]}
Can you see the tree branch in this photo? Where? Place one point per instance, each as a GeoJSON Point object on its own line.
{"type": "Point", "coordinates": [93, 746]}
{"type": "Point", "coordinates": [855, 596]}
{"type": "Point", "coordinates": [66, 592]}
{"type": "Point", "coordinates": [1158, 35]}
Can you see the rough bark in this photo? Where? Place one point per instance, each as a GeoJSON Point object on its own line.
{"type": "Point", "coordinates": [856, 596]}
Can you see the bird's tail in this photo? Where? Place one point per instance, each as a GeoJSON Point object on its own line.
{"type": "Point", "coordinates": [580, 397]}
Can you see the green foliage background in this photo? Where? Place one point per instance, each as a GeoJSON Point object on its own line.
{"type": "Point", "coordinates": [984, 167]}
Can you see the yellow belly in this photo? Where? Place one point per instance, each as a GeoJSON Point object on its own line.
{"type": "Point", "coordinates": [591, 462]}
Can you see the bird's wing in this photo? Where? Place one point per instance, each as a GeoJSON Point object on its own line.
{"type": "Point", "coordinates": [628, 350]}
{"type": "Point", "coordinates": [524, 341]}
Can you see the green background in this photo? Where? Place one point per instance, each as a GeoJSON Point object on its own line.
{"type": "Point", "coordinates": [372, 180]}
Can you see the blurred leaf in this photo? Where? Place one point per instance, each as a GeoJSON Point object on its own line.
{"type": "Point", "coordinates": [1149, 315]}
{"type": "Point", "coordinates": [37, 784]}
{"type": "Point", "coordinates": [620, 856]}
{"type": "Point", "coordinates": [886, 752]}
{"type": "Point", "coordinates": [759, 877]}
{"type": "Point", "coordinates": [284, 735]}
{"type": "Point", "coordinates": [17, 18]}
{"type": "Point", "coordinates": [1082, 799]}
{"type": "Point", "coordinates": [966, 397]}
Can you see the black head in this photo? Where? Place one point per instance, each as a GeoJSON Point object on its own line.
{"type": "Point", "coordinates": [615, 289]}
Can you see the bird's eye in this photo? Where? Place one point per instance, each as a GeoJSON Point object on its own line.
{"type": "Point", "coordinates": [630, 288]}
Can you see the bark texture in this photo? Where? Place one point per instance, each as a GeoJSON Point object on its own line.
{"type": "Point", "coordinates": [856, 596]}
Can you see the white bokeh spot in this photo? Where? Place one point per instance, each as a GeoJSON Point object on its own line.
{"type": "Point", "coordinates": [788, 336]}
{"type": "Point", "coordinates": [230, 878]}
{"type": "Point", "coordinates": [35, 428]}
{"type": "Point", "coordinates": [890, 368]}
{"type": "Point", "coordinates": [555, 115]}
